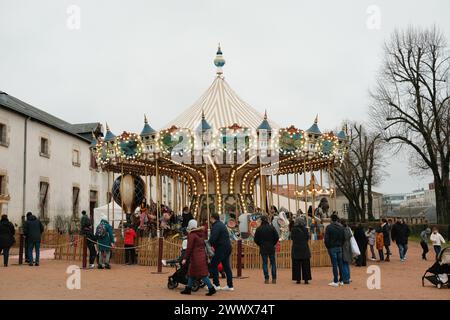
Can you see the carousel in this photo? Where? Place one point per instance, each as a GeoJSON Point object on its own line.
{"type": "Point", "coordinates": [220, 155]}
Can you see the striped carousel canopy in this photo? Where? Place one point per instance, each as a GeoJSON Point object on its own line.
{"type": "Point", "coordinates": [221, 107]}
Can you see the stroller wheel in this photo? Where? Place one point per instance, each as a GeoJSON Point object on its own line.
{"type": "Point", "coordinates": [172, 284]}
{"type": "Point", "coordinates": [195, 286]}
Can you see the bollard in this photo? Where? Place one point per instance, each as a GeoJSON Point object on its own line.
{"type": "Point", "coordinates": [239, 258]}
{"type": "Point", "coordinates": [160, 253]}
{"type": "Point", "coordinates": [21, 244]}
{"type": "Point", "coordinates": [85, 252]}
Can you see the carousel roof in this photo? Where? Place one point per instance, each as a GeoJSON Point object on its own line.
{"type": "Point", "coordinates": [221, 106]}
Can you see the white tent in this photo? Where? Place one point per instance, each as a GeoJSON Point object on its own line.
{"type": "Point", "coordinates": [116, 219]}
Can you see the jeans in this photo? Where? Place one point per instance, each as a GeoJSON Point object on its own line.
{"type": "Point", "coordinates": [5, 256]}
{"type": "Point", "coordinates": [402, 249]}
{"type": "Point", "coordinates": [273, 265]}
{"type": "Point", "coordinates": [92, 252]}
{"type": "Point", "coordinates": [425, 249]}
{"type": "Point", "coordinates": [437, 250]}
{"type": "Point", "coordinates": [345, 272]}
{"type": "Point", "coordinates": [221, 255]}
{"type": "Point", "coordinates": [388, 252]}
{"type": "Point", "coordinates": [204, 279]}
{"type": "Point", "coordinates": [336, 260]}
{"type": "Point", "coordinates": [130, 254]}
{"type": "Point", "coordinates": [104, 257]}
{"type": "Point", "coordinates": [37, 248]}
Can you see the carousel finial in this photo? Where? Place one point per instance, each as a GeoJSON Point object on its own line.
{"type": "Point", "coordinates": [145, 118]}
{"type": "Point", "coordinates": [107, 127]}
{"type": "Point", "coordinates": [265, 114]}
{"type": "Point", "coordinates": [219, 61]}
{"type": "Point", "coordinates": [317, 119]}
{"type": "Point", "coordinates": [203, 114]}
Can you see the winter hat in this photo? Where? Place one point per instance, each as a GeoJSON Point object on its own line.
{"type": "Point", "coordinates": [192, 224]}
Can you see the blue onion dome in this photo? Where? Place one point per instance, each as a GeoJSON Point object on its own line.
{"type": "Point", "coordinates": [109, 135]}
{"type": "Point", "coordinates": [265, 124]}
{"type": "Point", "coordinates": [147, 130]}
{"type": "Point", "coordinates": [219, 61]}
{"type": "Point", "coordinates": [314, 128]}
{"type": "Point", "coordinates": [342, 135]}
{"type": "Point", "coordinates": [204, 125]}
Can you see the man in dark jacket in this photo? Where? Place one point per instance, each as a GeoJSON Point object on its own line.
{"type": "Point", "coordinates": [33, 230]}
{"type": "Point", "coordinates": [334, 240]}
{"type": "Point", "coordinates": [220, 240]}
{"type": "Point", "coordinates": [88, 231]}
{"type": "Point", "coordinates": [386, 228]}
{"type": "Point", "coordinates": [185, 218]}
{"type": "Point", "coordinates": [266, 237]}
{"type": "Point", "coordinates": [7, 232]}
{"type": "Point", "coordinates": [400, 233]}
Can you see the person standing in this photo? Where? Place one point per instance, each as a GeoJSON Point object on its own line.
{"type": "Point", "coordinates": [424, 242]}
{"type": "Point", "coordinates": [105, 240]}
{"type": "Point", "coordinates": [220, 239]}
{"type": "Point", "coordinates": [400, 233]}
{"type": "Point", "coordinates": [7, 239]}
{"type": "Point", "coordinates": [386, 228]}
{"type": "Point", "coordinates": [334, 240]}
{"type": "Point", "coordinates": [87, 232]}
{"type": "Point", "coordinates": [33, 230]}
{"type": "Point", "coordinates": [380, 242]}
{"type": "Point", "coordinates": [436, 239]}
{"type": "Point", "coordinates": [196, 255]}
{"type": "Point", "coordinates": [301, 255]}
{"type": "Point", "coordinates": [371, 236]}
{"type": "Point", "coordinates": [361, 240]}
{"type": "Point", "coordinates": [27, 217]}
{"type": "Point", "coordinates": [130, 251]}
{"type": "Point", "coordinates": [266, 237]}
{"type": "Point", "coordinates": [347, 255]}
{"type": "Point", "coordinates": [185, 218]}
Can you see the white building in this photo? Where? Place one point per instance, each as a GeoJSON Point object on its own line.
{"type": "Point", "coordinates": [46, 165]}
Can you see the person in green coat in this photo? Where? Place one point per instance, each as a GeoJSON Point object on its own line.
{"type": "Point", "coordinates": [105, 240]}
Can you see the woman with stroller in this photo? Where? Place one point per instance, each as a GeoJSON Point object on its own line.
{"type": "Point", "coordinates": [196, 254]}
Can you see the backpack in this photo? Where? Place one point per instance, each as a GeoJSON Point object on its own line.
{"type": "Point", "coordinates": [101, 232]}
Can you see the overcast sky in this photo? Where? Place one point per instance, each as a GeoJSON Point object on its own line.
{"type": "Point", "coordinates": [295, 58]}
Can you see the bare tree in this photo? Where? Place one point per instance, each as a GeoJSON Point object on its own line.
{"type": "Point", "coordinates": [360, 171]}
{"type": "Point", "coordinates": [411, 104]}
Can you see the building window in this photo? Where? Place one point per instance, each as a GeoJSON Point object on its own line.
{"type": "Point", "coordinates": [3, 137]}
{"type": "Point", "coordinates": [75, 201]}
{"type": "Point", "coordinates": [43, 199]}
{"type": "Point", "coordinates": [2, 185]}
{"type": "Point", "coordinates": [76, 158]}
{"type": "Point", "coordinates": [44, 148]}
{"type": "Point", "coordinates": [93, 162]}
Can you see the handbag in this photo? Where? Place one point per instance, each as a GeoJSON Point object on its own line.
{"type": "Point", "coordinates": [209, 250]}
{"type": "Point", "coordinates": [354, 246]}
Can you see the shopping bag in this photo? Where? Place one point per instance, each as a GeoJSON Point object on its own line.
{"type": "Point", "coordinates": [355, 248]}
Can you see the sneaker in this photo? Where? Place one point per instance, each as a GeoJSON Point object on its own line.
{"type": "Point", "coordinates": [227, 288]}
{"type": "Point", "coordinates": [373, 259]}
{"type": "Point", "coordinates": [333, 284]}
{"type": "Point", "coordinates": [91, 266]}
{"type": "Point", "coordinates": [341, 283]}
{"type": "Point", "coordinates": [215, 287]}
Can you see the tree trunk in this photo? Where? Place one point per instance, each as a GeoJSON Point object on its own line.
{"type": "Point", "coordinates": [442, 192]}
{"type": "Point", "coordinates": [369, 202]}
{"type": "Point", "coordinates": [363, 204]}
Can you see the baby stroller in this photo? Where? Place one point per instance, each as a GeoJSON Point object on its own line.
{"type": "Point", "coordinates": [440, 270]}
{"type": "Point", "coordinates": [180, 274]}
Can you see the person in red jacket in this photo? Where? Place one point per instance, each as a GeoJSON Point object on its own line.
{"type": "Point", "coordinates": [196, 255]}
{"type": "Point", "coordinates": [130, 251]}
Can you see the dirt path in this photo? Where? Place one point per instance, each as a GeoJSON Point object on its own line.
{"type": "Point", "coordinates": [399, 280]}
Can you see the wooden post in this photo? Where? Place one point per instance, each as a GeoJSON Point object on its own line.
{"type": "Point", "coordinates": [85, 240]}
{"type": "Point", "coordinates": [112, 205]}
{"type": "Point", "coordinates": [207, 196]}
{"type": "Point", "coordinates": [295, 192]}
{"type": "Point", "coordinates": [121, 195]}
{"type": "Point", "coordinates": [160, 253]}
{"type": "Point", "coordinates": [239, 258]}
{"type": "Point", "coordinates": [158, 197]}
{"type": "Point", "coordinates": [305, 191]}
{"type": "Point", "coordinates": [335, 189]}
{"type": "Point", "coordinates": [21, 246]}
{"type": "Point", "coordinates": [278, 192]}
{"type": "Point", "coordinates": [108, 196]}
{"type": "Point", "coordinates": [288, 192]}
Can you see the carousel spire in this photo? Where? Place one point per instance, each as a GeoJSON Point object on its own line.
{"type": "Point", "coordinates": [219, 61]}
{"type": "Point", "coordinates": [317, 119]}
{"type": "Point", "coordinates": [265, 124]}
{"type": "Point", "coordinates": [109, 135]}
{"type": "Point", "coordinates": [147, 130]}
{"type": "Point", "coordinates": [145, 118]}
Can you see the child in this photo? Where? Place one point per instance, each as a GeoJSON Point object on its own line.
{"type": "Point", "coordinates": [380, 242]}
{"type": "Point", "coordinates": [436, 238]}
{"type": "Point", "coordinates": [130, 251]}
{"type": "Point", "coordinates": [371, 235]}
{"type": "Point", "coordinates": [424, 242]}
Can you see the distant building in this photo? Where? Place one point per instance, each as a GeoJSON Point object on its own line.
{"type": "Point", "coordinates": [46, 165]}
